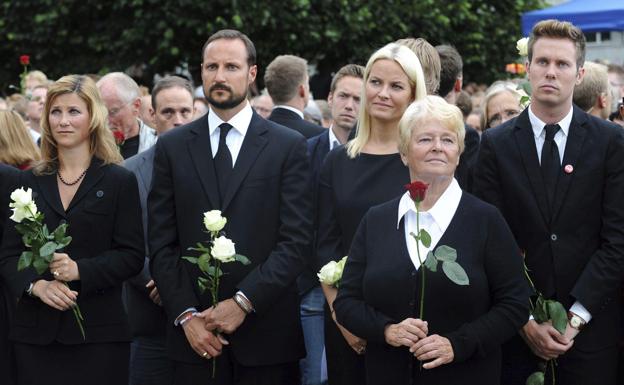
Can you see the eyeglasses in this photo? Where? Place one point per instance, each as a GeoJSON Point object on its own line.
{"type": "Point", "coordinates": [114, 111]}
{"type": "Point", "coordinates": [497, 118]}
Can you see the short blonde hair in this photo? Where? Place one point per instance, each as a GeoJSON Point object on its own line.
{"type": "Point", "coordinates": [410, 64]}
{"type": "Point", "coordinates": [497, 88]}
{"type": "Point", "coordinates": [431, 108]}
{"type": "Point", "coordinates": [16, 144]}
{"type": "Point", "coordinates": [102, 144]}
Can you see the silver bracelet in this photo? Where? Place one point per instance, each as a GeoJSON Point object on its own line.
{"type": "Point", "coordinates": [241, 303]}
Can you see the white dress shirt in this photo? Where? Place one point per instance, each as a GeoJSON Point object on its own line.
{"type": "Point", "coordinates": [561, 138]}
{"type": "Point", "coordinates": [234, 138]}
{"type": "Point", "coordinates": [289, 108]}
{"type": "Point", "coordinates": [333, 140]}
{"type": "Point", "coordinates": [435, 221]}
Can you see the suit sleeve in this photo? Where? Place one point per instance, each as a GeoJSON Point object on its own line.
{"type": "Point", "coordinates": [266, 282]}
{"type": "Point", "coordinates": [173, 281]}
{"type": "Point", "coordinates": [465, 169]}
{"type": "Point", "coordinates": [125, 258]}
{"type": "Point", "coordinates": [605, 268]}
{"type": "Point", "coordinates": [509, 295]}
{"type": "Point", "coordinates": [486, 184]}
{"type": "Point", "coordinates": [329, 234]}
{"type": "Point", "coordinates": [351, 310]}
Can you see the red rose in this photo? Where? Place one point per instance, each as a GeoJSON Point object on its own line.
{"type": "Point", "coordinates": [417, 190]}
{"type": "Point", "coordinates": [119, 137]}
{"type": "Point", "coordinates": [25, 60]}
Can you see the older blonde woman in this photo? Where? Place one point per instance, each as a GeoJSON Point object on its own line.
{"type": "Point", "coordinates": [365, 172]}
{"type": "Point", "coordinates": [463, 327]}
{"type": "Point", "coordinates": [78, 182]}
{"type": "Point", "coordinates": [502, 101]}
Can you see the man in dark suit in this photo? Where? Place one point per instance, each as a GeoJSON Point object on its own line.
{"type": "Point", "coordinates": [8, 180]}
{"type": "Point", "coordinates": [286, 80]}
{"type": "Point", "coordinates": [557, 175]}
{"type": "Point", "coordinates": [172, 106]}
{"type": "Point", "coordinates": [257, 173]}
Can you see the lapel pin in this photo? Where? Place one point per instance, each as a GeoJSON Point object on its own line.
{"type": "Point", "coordinates": [99, 194]}
{"type": "Point", "coordinates": [568, 169]}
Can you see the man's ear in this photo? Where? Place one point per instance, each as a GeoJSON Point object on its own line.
{"type": "Point", "coordinates": [602, 100]}
{"type": "Point", "coordinates": [457, 87]}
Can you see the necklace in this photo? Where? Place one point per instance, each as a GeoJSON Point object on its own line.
{"type": "Point", "coordinates": [71, 183]}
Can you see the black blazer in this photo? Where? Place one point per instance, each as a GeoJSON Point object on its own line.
{"type": "Point", "coordinates": [290, 119]}
{"type": "Point", "coordinates": [380, 285]}
{"type": "Point", "coordinates": [104, 219]}
{"type": "Point", "coordinates": [574, 250]}
{"type": "Point", "coordinates": [468, 158]}
{"type": "Point", "coordinates": [268, 208]}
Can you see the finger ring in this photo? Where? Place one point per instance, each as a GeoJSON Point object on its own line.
{"type": "Point", "coordinates": [205, 355]}
{"type": "Point", "coordinates": [56, 273]}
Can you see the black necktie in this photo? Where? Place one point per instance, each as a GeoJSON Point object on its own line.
{"type": "Point", "coordinates": [223, 159]}
{"type": "Point", "coordinates": [551, 163]}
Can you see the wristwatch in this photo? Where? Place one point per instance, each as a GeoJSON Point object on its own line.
{"type": "Point", "coordinates": [575, 321]}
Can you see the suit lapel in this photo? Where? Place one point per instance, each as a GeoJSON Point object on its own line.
{"type": "Point", "coordinates": [199, 147]}
{"type": "Point", "coordinates": [574, 145]}
{"type": "Point", "coordinates": [145, 168]}
{"type": "Point", "coordinates": [252, 145]}
{"type": "Point", "coordinates": [525, 140]}
{"type": "Point", "coordinates": [95, 172]}
{"type": "Point", "coordinates": [49, 189]}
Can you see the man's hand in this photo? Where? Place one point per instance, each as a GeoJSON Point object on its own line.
{"type": "Point", "coordinates": [406, 333]}
{"type": "Point", "coordinates": [203, 341]}
{"type": "Point", "coordinates": [226, 317]}
{"type": "Point", "coordinates": [153, 294]}
{"type": "Point", "coordinates": [434, 347]}
{"type": "Point", "coordinates": [545, 341]}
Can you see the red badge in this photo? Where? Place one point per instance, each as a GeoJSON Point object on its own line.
{"type": "Point", "coordinates": [568, 169]}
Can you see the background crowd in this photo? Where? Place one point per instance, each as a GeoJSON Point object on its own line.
{"type": "Point", "coordinates": [132, 170]}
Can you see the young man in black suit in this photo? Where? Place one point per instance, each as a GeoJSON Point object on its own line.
{"type": "Point", "coordinates": [257, 173]}
{"type": "Point", "coordinates": [557, 175]}
{"type": "Point", "coordinates": [286, 79]}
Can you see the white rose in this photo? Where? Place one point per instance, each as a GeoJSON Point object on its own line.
{"type": "Point", "coordinates": [523, 46]}
{"type": "Point", "coordinates": [223, 249]}
{"type": "Point", "coordinates": [331, 273]}
{"type": "Point", "coordinates": [22, 204]}
{"type": "Point", "coordinates": [214, 221]}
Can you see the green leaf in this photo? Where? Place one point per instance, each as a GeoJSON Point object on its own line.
{"type": "Point", "coordinates": [242, 259]}
{"type": "Point", "coordinates": [455, 273]}
{"type": "Point", "coordinates": [48, 249]}
{"type": "Point", "coordinates": [416, 237]}
{"type": "Point", "coordinates": [192, 260]}
{"type": "Point", "coordinates": [45, 231]}
{"type": "Point", "coordinates": [558, 315]}
{"type": "Point", "coordinates": [40, 265]}
{"type": "Point", "coordinates": [540, 313]}
{"type": "Point", "coordinates": [446, 254]}
{"type": "Point", "coordinates": [64, 242]}
{"type": "Point", "coordinates": [536, 378]}
{"type": "Point", "coordinates": [431, 263]}
{"type": "Point", "coordinates": [25, 260]}
{"type": "Point", "coordinates": [425, 238]}
{"type": "Point", "coordinates": [202, 286]}
{"type": "Point", "coordinates": [59, 233]}
{"type": "Point", "coordinates": [203, 262]}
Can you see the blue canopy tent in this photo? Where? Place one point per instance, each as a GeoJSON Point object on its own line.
{"type": "Point", "coordinates": [589, 16]}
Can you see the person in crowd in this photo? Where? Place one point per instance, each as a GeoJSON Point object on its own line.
{"type": "Point", "coordinates": [593, 95]}
{"type": "Point", "coordinates": [18, 103]}
{"type": "Point", "coordinates": [616, 80]}
{"type": "Point", "coordinates": [458, 339]}
{"type": "Point", "coordinates": [262, 104]}
{"type": "Point", "coordinates": [326, 115]}
{"type": "Point", "coordinates": [344, 103]}
{"type": "Point", "coordinates": [78, 182]}
{"type": "Point", "coordinates": [557, 175]}
{"type": "Point", "coordinates": [429, 60]}
{"type": "Point", "coordinates": [464, 103]}
{"type": "Point", "coordinates": [286, 80]}
{"type": "Point", "coordinates": [451, 78]}
{"type": "Point", "coordinates": [122, 99]}
{"type": "Point", "coordinates": [474, 120]}
{"type": "Point", "coordinates": [17, 148]}
{"type": "Point", "coordinates": [3, 104]}
{"type": "Point", "coordinates": [145, 112]}
{"type": "Point", "coordinates": [200, 106]}
{"type": "Point", "coordinates": [257, 174]}
{"type": "Point", "coordinates": [34, 79]}
{"type": "Point", "coordinates": [8, 181]}
{"type": "Point", "coordinates": [365, 172]}
{"type": "Point", "coordinates": [312, 113]}
{"type": "Point", "coordinates": [34, 109]}
{"type": "Point", "coordinates": [172, 106]}
{"type": "Point", "coordinates": [502, 102]}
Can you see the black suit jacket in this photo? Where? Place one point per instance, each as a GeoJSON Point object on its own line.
{"type": "Point", "coordinates": [291, 120]}
{"type": "Point", "coordinates": [575, 249]}
{"type": "Point", "coordinates": [468, 158]}
{"type": "Point", "coordinates": [104, 219]}
{"type": "Point", "coordinates": [381, 286]}
{"type": "Point", "coordinates": [268, 208]}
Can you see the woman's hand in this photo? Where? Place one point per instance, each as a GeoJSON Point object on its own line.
{"type": "Point", "coordinates": [357, 344]}
{"type": "Point", "coordinates": [64, 268]}
{"type": "Point", "coordinates": [434, 347]}
{"type": "Point", "coordinates": [406, 333]}
{"type": "Point", "coordinates": [55, 294]}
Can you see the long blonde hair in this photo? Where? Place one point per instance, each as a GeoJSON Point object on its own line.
{"type": "Point", "coordinates": [16, 144]}
{"type": "Point", "coordinates": [102, 144]}
{"type": "Point", "coordinates": [410, 64]}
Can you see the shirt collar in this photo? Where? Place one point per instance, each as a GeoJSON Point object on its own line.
{"type": "Point", "coordinates": [240, 121]}
{"type": "Point", "coordinates": [538, 125]}
{"type": "Point", "coordinates": [442, 211]}
{"type": "Point", "coordinates": [293, 109]}
{"type": "Point", "coordinates": [333, 140]}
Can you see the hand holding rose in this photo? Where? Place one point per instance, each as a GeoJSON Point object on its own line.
{"type": "Point", "coordinates": [64, 268]}
{"type": "Point", "coordinates": [434, 347]}
{"type": "Point", "coordinates": [406, 333]}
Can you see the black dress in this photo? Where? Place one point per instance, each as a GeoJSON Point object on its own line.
{"type": "Point", "coordinates": [347, 189]}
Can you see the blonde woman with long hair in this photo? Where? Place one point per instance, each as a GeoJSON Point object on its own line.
{"type": "Point", "coordinates": [17, 148]}
{"type": "Point", "coordinates": [365, 172]}
{"type": "Point", "coordinates": [77, 182]}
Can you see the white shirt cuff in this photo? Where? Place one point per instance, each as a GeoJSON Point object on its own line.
{"type": "Point", "coordinates": [580, 311]}
{"type": "Point", "coordinates": [177, 320]}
